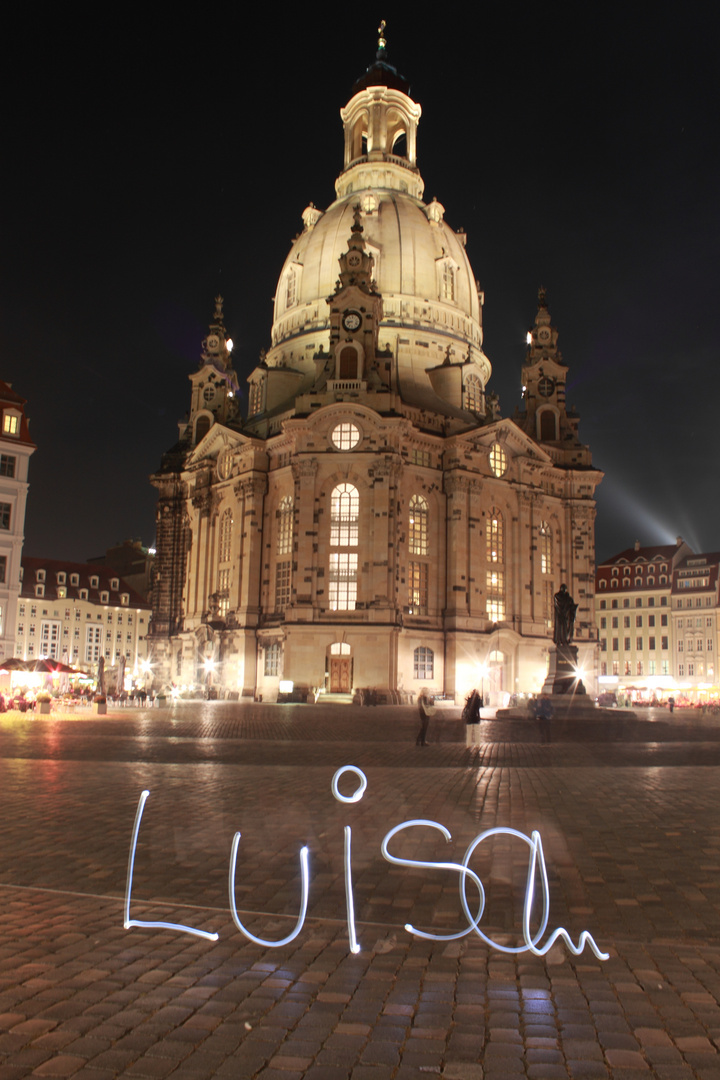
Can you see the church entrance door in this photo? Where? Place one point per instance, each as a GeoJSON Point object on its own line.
{"type": "Point", "coordinates": [340, 674]}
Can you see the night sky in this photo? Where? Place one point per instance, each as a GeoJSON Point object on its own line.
{"type": "Point", "coordinates": [151, 162]}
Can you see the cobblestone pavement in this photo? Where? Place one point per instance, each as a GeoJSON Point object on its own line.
{"type": "Point", "coordinates": [628, 814]}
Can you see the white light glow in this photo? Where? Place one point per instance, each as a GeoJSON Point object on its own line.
{"type": "Point", "coordinates": [285, 686]}
{"type": "Point", "coordinates": [229, 344]}
{"type": "Point", "coordinates": [355, 797]}
{"type": "Point", "coordinates": [305, 876]}
{"type": "Point", "coordinates": [528, 339]}
{"type": "Point", "coordinates": [128, 922]}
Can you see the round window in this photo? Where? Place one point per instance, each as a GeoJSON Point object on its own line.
{"type": "Point", "coordinates": [345, 436]}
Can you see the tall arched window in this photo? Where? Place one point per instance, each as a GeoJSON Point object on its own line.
{"type": "Point", "coordinates": [418, 525]}
{"type": "Point", "coordinates": [495, 575]}
{"type": "Point", "coordinates": [495, 537]}
{"type": "Point", "coordinates": [224, 554]}
{"type": "Point", "coordinates": [285, 526]}
{"type": "Point", "coordinates": [344, 515]}
{"type": "Point", "coordinates": [473, 394]}
{"type": "Point", "coordinates": [283, 566]}
{"type": "Point", "coordinates": [344, 526]}
{"type": "Point", "coordinates": [546, 552]}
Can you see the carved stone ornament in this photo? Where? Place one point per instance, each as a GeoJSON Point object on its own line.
{"type": "Point", "coordinates": [305, 469]}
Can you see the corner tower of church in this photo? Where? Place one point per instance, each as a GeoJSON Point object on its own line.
{"type": "Point", "coordinates": [373, 525]}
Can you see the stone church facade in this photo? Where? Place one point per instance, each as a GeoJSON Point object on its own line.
{"type": "Point", "coordinates": [373, 523]}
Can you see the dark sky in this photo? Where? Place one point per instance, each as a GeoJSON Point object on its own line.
{"type": "Point", "coordinates": [153, 160]}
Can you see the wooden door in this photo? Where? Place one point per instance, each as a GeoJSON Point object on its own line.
{"type": "Point", "coordinates": [340, 674]}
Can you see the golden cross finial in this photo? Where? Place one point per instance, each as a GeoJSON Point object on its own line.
{"type": "Point", "coordinates": [382, 43]}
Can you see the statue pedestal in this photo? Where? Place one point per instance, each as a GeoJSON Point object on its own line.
{"type": "Point", "coordinates": [562, 677]}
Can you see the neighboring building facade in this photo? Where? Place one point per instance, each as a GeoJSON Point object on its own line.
{"type": "Point", "coordinates": [656, 611]}
{"type": "Point", "coordinates": [374, 522]}
{"type": "Point", "coordinates": [78, 612]}
{"type": "Point", "coordinates": [695, 616]}
{"type": "Point", "coordinates": [16, 446]}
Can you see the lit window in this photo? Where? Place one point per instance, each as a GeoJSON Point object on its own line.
{"type": "Point", "coordinates": [494, 536]}
{"type": "Point", "coordinates": [495, 580]}
{"type": "Point", "coordinates": [342, 584]}
{"type": "Point", "coordinates": [418, 588]}
{"type": "Point", "coordinates": [345, 436]}
{"type": "Point", "coordinates": [282, 585]}
{"type": "Point", "coordinates": [546, 559]}
{"type": "Point", "coordinates": [11, 423]}
{"type": "Point", "coordinates": [498, 459]}
{"type": "Point", "coordinates": [93, 644]}
{"type": "Point", "coordinates": [344, 515]}
{"type": "Point", "coordinates": [418, 525]}
{"type": "Point", "coordinates": [423, 663]}
{"type": "Point", "coordinates": [473, 394]}
{"type": "Point", "coordinates": [272, 659]}
{"type": "Point", "coordinates": [284, 519]}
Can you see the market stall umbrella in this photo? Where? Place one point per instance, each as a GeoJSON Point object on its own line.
{"type": "Point", "coordinates": [15, 664]}
{"type": "Point", "coordinates": [51, 667]}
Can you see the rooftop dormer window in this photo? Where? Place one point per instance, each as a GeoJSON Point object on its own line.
{"type": "Point", "coordinates": [104, 598]}
{"type": "Point", "coordinates": [94, 582]}
{"type": "Point", "coordinates": [75, 579]}
{"type": "Point", "coordinates": [11, 422]}
{"type": "Point", "coordinates": [114, 584]}
{"type": "Point", "coordinates": [61, 578]}
{"type": "Point", "coordinates": [40, 575]}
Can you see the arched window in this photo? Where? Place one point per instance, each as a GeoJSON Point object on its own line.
{"type": "Point", "coordinates": [494, 535]}
{"type": "Point", "coordinates": [344, 516]}
{"type": "Point", "coordinates": [283, 566]}
{"type": "Point", "coordinates": [284, 522]}
{"type": "Point", "coordinates": [224, 553]}
{"type": "Point", "coordinates": [498, 459]}
{"type": "Point", "coordinates": [272, 659]}
{"type": "Point", "coordinates": [418, 525]}
{"type": "Point", "coordinates": [423, 663]}
{"type": "Point", "coordinates": [344, 524]}
{"type": "Point", "coordinates": [546, 552]}
{"type": "Point", "coordinates": [202, 427]}
{"type": "Point", "coordinates": [548, 426]}
{"type": "Point", "coordinates": [348, 363]}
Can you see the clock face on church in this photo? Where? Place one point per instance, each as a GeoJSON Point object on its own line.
{"type": "Point", "coordinates": [351, 320]}
{"type": "Point", "coordinates": [354, 259]}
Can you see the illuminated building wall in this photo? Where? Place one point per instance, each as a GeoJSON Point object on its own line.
{"type": "Point", "coordinates": [78, 612]}
{"type": "Point", "coordinates": [656, 611]}
{"type": "Point", "coordinates": [16, 447]}
{"type": "Point", "coordinates": [374, 523]}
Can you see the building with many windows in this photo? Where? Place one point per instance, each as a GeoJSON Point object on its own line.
{"type": "Point", "coordinates": [656, 611]}
{"type": "Point", "coordinates": [373, 523]}
{"type": "Point", "coordinates": [78, 612]}
{"type": "Point", "coordinates": [16, 446]}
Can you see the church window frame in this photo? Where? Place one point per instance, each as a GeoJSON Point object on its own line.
{"type": "Point", "coordinates": [495, 536]}
{"type": "Point", "coordinates": [498, 459]}
{"type": "Point", "coordinates": [447, 280]}
{"type": "Point", "coordinates": [344, 516]}
{"type": "Point", "coordinates": [225, 535]}
{"type": "Point", "coordinates": [271, 660]}
{"type": "Point", "coordinates": [342, 580]}
{"type": "Point", "coordinates": [345, 436]}
{"type": "Point", "coordinates": [418, 577]}
{"type": "Point", "coordinates": [285, 520]}
{"type": "Point", "coordinates": [423, 663]}
{"type": "Point", "coordinates": [495, 592]}
{"type": "Point", "coordinates": [291, 288]}
{"type": "Point", "coordinates": [255, 403]}
{"type": "Point", "coordinates": [418, 519]}
{"type": "Point", "coordinates": [283, 583]}
{"type": "Point", "coordinates": [546, 549]}
{"type": "Point", "coordinates": [474, 394]}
